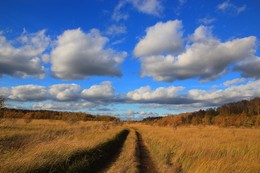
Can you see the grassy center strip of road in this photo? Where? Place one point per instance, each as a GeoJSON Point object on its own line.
{"type": "Point", "coordinates": [128, 160]}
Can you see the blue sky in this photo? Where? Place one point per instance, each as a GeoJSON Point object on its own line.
{"type": "Point", "coordinates": [128, 58]}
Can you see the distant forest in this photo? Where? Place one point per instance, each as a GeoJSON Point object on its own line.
{"type": "Point", "coordinates": [243, 113]}
{"type": "Point", "coordinates": [53, 115]}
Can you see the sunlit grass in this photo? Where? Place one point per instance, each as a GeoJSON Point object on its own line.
{"type": "Point", "coordinates": [44, 143]}
{"type": "Point", "coordinates": [203, 149]}
{"type": "Point", "coordinates": [25, 147]}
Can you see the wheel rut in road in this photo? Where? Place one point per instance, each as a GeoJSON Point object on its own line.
{"type": "Point", "coordinates": [146, 163]}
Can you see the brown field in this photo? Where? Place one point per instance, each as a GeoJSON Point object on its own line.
{"type": "Point", "coordinates": [58, 146]}
{"type": "Point", "coordinates": [43, 143]}
{"type": "Point", "coordinates": [203, 149]}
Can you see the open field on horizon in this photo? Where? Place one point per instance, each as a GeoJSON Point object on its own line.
{"type": "Point", "coordinates": [58, 146]}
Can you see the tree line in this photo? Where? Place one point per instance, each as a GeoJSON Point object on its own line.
{"type": "Point", "coordinates": [51, 115]}
{"type": "Point", "coordinates": [243, 113]}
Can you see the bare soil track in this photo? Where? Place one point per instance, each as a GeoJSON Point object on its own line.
{"type": "Point", "coordinates": [146, 163]}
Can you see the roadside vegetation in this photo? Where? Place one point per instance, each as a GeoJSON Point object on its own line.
{"type": "Point", "coordinates": [203, 149]}
{"type": "Point", "coordinates": [46, 145]}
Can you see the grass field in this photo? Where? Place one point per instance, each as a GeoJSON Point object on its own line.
{"type": "Point", "coordinates": [203, 149]}
{"type": "Point", "coordinates": [58, 146]}
{"type": "Point", "coordinates": [49, 144]}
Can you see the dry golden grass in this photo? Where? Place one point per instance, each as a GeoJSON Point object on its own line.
{"type": "Point", "coordinates": [26, 147]}
{"type": "Point", "coordinates": [127, 160]}
{"type": "Point", "coordinates": [203, 149]}
{"type": "Point", "coordinates": [43, 143]}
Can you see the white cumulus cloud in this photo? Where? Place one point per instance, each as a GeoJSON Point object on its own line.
{"type": "Point", "coordinates": [250, 68]}
{"type": "Point", "coordinates": [160, 94]}
{"type": "Point", "coordinates": [65, 92]}
{"type": "Point", "coordinates": [28, 93]}
{"type": "Point", "coordinates": [101, 93]}
{"type": "Point", "coordinates": [79, 55]}
{"type": "Point", "coordinates": [103, 90]}
{"type": "Point", "coordinates": [230, 94]}
{"type": "Point", "coordinates": [21, 57]}
{"type": "Point", "coordinates": [161, 38]}
{"type": "Point", "coordinates": [73, 97]}
{"type": "Point", "coordinates": [205, 57]}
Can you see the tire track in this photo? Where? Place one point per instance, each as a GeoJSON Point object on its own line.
{"type": "Point", "coordinates": [146, 163]}
{"type": "Point", "coordinates": [105, 156]}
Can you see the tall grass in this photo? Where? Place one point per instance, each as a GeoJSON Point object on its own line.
{"type": "Point", "coordinates": [44, 143]}
{"type": "Point", "coordinates": [203, 149]}
{"type": "Point", "coordinates": [41, 143]}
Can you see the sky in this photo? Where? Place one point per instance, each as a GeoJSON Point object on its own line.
{"type": "Point", "coordinates": [128, 58]}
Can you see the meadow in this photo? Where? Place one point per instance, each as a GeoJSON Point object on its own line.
{"type": "Point", "coordinates": [203, 148]}
{"type": "Point", "coordinates": [60, 146]}
{"type": "Point", "coordinates": [56, 146]}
